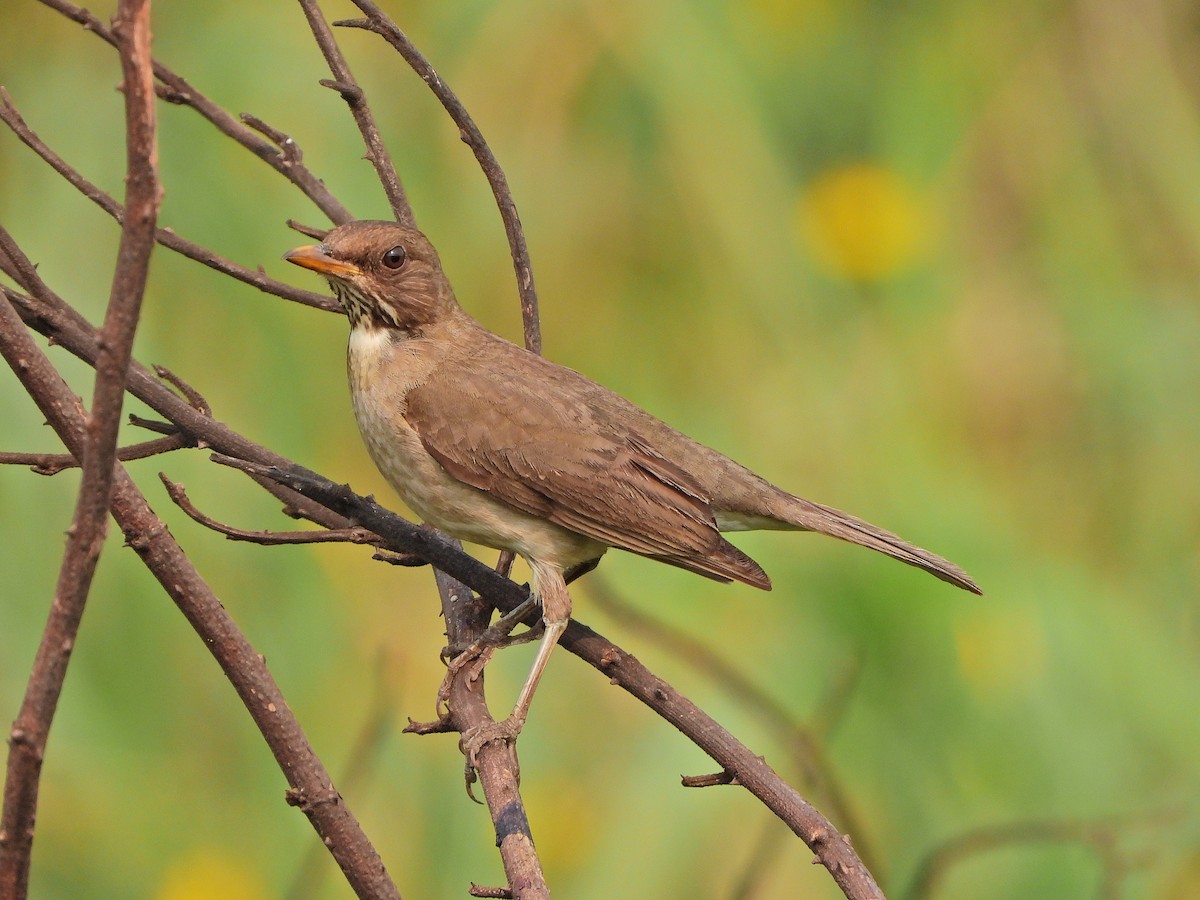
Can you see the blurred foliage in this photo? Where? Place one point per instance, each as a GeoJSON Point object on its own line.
{"type": "Point", "coordinates": [934, 263]}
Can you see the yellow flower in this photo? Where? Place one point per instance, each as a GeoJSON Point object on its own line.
{"type": "Point", "coordinates": [862, 222]}
{"type": "Point", "coordinates": [210, 873]}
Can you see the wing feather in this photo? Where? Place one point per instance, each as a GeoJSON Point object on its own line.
{"type": "Point", "coordinates": [541, 448]}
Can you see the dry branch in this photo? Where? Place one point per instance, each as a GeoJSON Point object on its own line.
{"type": "Point", "coordinates": [379, 22]}
{"type": "Point", "coordinates": [96, 450]}
{"type": "Point", "coordinates": [177, 90]}
{"type": "Point", "coordinates": [165, 236]}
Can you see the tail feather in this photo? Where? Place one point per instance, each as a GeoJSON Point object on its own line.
{"type": "Point", "coordinates": [811, 516]}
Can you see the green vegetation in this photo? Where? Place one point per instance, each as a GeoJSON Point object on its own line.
{"type": "Point", "coordinates": [934, 263]}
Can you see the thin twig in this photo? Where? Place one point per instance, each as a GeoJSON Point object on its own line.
{"type": "Point", "coordinates": [165, 236]}
{"type": "Point", "coordinates": [353, 535]}
{"type": "Point", "coordinates": [378, 22]}
{"type": "Point", "coordinates": [53, 463]}
{"type": "Point", "coordinates": [180, 92]}
{"type": "Point", "coordinates": [349, 91]}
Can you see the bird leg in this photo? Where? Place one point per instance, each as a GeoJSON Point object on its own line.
{"type": "Point", "coordinates": [498, 634]}
{"type": "Point", "coordinates": [550, 588]}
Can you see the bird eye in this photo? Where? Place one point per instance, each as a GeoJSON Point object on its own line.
{"type": "Point", "coordinates": [395, 257]}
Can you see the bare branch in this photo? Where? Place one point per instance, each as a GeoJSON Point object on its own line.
{"type": "Point", "coordinates": [349, 91]}
{"type": "Point", "coordinates": [53, 463]}
{"type": "Point", "coordinates": [165, 236]}
{"type": "Point", "coordinates": [97, 451]}
{"type": "Point", "coordinates": [378, 22]}
{"type": "Point", "coordinates": [179, 496]}
{"type": "Point", "coordinates": [180, 92]}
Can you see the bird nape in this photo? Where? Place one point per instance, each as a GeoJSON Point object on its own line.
{"type": "Point", "coordinates": [498, 446]}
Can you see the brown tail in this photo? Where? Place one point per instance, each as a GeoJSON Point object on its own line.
{"type": "Point", "coordinates": [827, 520]}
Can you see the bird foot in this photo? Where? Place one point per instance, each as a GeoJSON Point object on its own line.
{"type": "Point", "coordinates": [475, 739]}
{"type": "Point", "coordinates": [476, 657]}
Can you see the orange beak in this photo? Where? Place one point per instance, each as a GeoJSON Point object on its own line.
{"type": "Point", "coordinates": [317, 258]}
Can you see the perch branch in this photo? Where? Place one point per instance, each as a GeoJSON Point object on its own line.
{"type": "Point", "coordinates": [751, 771]}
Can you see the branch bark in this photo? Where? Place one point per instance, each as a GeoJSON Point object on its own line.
{"type": "Point", "coordinates": [97, 451]}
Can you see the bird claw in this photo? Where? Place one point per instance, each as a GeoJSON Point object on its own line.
{"type": "Point", "coordinates": [479, 655]}
{"type": "Point", "coordinates": [473, 740]}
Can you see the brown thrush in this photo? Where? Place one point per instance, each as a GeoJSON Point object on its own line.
{"type": "Point", "coordinates": [498, 446]}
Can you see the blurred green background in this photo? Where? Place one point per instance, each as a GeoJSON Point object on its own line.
{"type": "Point", "coordinates": [933, 263]}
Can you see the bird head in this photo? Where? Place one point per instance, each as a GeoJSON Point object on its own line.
{"type": "Point", "coordinates": [386, 275]}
